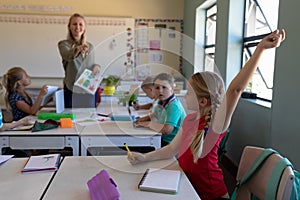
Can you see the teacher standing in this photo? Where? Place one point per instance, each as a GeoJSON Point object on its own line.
{"type": "Point", "coordinates": [77, 54]}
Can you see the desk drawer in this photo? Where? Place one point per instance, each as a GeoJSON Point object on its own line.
{"type": "Point", "coordinates": [108, 141]}
{"type": "Point", "coordinates": [55, 142]}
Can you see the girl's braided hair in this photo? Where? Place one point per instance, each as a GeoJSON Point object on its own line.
{"type": "Point", "coordinates": [211, 86]}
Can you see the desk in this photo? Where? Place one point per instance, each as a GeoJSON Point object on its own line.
{"type": "Point", "coordinates": [57, 138]}
{"type": "Point", "coordinates": [17, 186]}
{"type": "Point", "coordinates": [49, 139]}
{"type": "Point", "coordinates": [102, 134]}
{"type": "Point", "coordinates": [70, 182]}
{"type": "Point", "coordinates": [115, 134]}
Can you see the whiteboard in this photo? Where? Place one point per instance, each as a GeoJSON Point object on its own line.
{"type": "Point", "coordinates": [30, 41]}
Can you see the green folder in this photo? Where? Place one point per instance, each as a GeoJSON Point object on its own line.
{"type": "Point", "coordinates": [55, 116]}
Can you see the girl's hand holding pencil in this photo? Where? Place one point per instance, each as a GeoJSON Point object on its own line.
{"type": "Point", "coordinates": [129, 152]}
{"type": "Point", "coordinates": [134, 157]}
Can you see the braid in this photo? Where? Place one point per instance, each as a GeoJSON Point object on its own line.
{"type": "Point", "coordinates": [215, 103]}
{"type": "Point", "coordinates": [198, 139]}
{"type": "Point", "coordinates": [207, 85]}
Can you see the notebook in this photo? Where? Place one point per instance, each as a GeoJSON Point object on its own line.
{"type": "Point", "coordinates": [43, 163]}
{"type": "Point", "coordinates": [132, 118]}
{"type": "Point", "coordinates": [49, 95]}
{"type": "Point", "coordinates": [160, 180]}
{"type": "Point", "coordinates": [4, 158]}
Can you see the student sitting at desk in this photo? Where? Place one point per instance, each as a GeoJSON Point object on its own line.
{"type": "Point", "coordinates": [147, 87]}
{"type": "Point", "coordinates": [7, 126]}
{"type": "Point", "coordinates": [198, 142]}
{"type": "Point", "coordinates": [17, 99]}
{"type": "Point", "coordinates": [169, 111]}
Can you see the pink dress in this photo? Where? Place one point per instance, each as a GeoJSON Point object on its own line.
{"type": "Point", "coordinates": [205, 175]}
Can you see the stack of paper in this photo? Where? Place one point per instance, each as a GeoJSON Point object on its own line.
{"type": "Point", "coordinates": [48, 162]}
{"type": "Point", "coordinates": [160, 180]}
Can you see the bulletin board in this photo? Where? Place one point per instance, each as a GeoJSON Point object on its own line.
{"type": "Point", "coordinates": [158, 46]}
{"type": "Point", "coordinates": [30, 41]}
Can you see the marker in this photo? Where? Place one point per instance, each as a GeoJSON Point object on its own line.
{"type": "Point", "coordinates": [129, 152]}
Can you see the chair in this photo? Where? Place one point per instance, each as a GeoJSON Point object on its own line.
{"type": "Point", "coordinates": [257, 184]}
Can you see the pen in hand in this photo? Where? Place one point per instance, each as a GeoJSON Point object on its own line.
{"type": "Point", "coordinates": [129, 152]}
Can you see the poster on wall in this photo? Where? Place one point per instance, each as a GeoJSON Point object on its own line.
{"type": "Point", "coordinates": [154, 44]}
{"type": "Point", "coordinates": [159, 44]}
{"type": "Point", "coordinates": [142, 37]}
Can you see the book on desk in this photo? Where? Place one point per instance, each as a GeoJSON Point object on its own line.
{"type": "Point", "coordinates": [160, 180]}
{"type": "Point", "coordinates": [43, 163]}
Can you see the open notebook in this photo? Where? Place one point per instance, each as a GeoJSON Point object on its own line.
{"type": "Point", "coordinates": [49, 162]}
{"type": "Point", "coordinates": [160, 180]}
{"type": "Point", "coordinates": [47, 97]}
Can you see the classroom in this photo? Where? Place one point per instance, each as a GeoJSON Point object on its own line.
{"type": "Point", "coordinates": [177, 38]}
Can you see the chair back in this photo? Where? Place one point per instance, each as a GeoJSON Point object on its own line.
{"type": "Point", "coordinates": [258, 183]}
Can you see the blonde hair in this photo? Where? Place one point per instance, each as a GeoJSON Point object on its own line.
{"type": "Point", "coordinates": [211, 86]}
{"type": "Point", "coordinates": [2, 89]}
{"type": "Point", "coordinates": [70, 37]}
{"type": "Point", "coordinates": [10, 82]}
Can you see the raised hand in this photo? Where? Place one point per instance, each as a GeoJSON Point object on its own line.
{"type": "Point", "coordinates": [273, 40]}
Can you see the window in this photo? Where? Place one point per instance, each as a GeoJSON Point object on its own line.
{"type": "Point", "coordinates": [205, 36]}
{"type": "Point", "coordinates": [210, 38]}
{"type": "Point", "coordinates": [260, 20]}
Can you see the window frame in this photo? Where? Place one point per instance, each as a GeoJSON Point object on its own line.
{"type": "Point", "coordinates": [252, 41]}
{"type": "Point", "coordinates": [208, 47]}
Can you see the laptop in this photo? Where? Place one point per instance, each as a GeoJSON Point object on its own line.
{"type": "Point", "coordinates": [59, 101]}
{"type": "Point", "coordinates": [132, 118]}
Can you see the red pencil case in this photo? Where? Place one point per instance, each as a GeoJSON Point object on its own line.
{"type": "Point", "coordinates": [102, 187]}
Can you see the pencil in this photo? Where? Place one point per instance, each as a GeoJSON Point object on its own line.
{"type": "Point", "coordinates": [129, 152]}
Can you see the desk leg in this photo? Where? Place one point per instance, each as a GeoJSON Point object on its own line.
{"type": "Point", "coordinates": [4, 142]}
{"type": "Point", "coordinates": [83, 149]}
{"type": "Point", "coordinates": [73, 142]}
{"type": "Point", "coordinates": [155, 141]}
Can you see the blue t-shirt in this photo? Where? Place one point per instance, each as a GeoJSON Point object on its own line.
{"type": "Point", "coordinates": [172, 113]}
{"type": "Point", "coordinates": [18, 114]}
